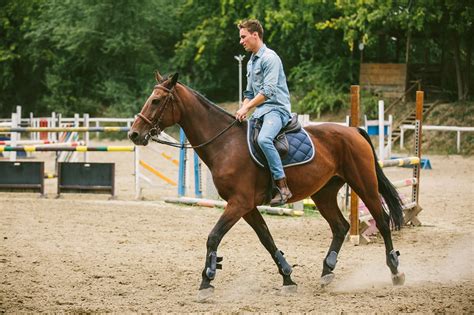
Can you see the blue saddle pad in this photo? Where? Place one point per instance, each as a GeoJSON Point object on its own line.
{"type": "Point", "coordinates": [301, 149]}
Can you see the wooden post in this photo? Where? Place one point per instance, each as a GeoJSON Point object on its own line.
{"type": "Point", "coordinates": [354, 232]}
{"type": "Point", "coordinates": [419, 118]}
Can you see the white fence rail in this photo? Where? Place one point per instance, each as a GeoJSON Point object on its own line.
{"type": "Point", "coordinates": [458, 131]}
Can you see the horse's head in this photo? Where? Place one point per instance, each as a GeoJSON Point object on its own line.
{"type": "Point", "coordinates": [157, 113]}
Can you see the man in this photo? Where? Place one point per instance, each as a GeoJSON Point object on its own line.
{"type": "Point", "coordinates": [268, 92]}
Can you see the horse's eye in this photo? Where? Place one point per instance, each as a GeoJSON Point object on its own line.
{"type": "Point", "coordinates": [155, 101]}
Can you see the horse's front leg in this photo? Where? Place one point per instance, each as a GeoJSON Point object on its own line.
{"type": "Point", "coordinates": [231, 215]}
{"type": "Point", "coordinates": [256, 221]}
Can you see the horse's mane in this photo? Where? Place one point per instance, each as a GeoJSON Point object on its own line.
{"type": "Point", "coordinates": [209, 103]}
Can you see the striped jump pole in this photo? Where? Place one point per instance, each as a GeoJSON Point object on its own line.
{"type": "Point", "coordinates": [27, 142]}
{"type": "Point", "coordinates": [201, 202]}
{"type": "Point", "coordinates": [170, 158]}
{"type": "Point", "coordinates": [65, 148]}
{"type": "Point", "coordinates": [405, 182]}
{"type": "Point", "coordinates": [156, 172]}
{"type": "Point", "coordinates": [413, 160]}
{"type": "Point", "coordinates": [64, 129]}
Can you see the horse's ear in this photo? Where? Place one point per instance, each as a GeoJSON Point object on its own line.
{"type": "Point", "coordinates": [158, 77]}
{"type": "Point", "coordinates": [174, 80]}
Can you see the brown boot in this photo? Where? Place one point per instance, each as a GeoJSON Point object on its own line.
{"type": "Point", "coordinates": [283, 193]}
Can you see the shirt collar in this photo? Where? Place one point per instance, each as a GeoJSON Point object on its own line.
{"type": "Point", "coordinates": [259, 52]}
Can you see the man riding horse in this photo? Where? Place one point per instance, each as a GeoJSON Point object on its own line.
{"type": "Point", "coordinates": [268, 92]}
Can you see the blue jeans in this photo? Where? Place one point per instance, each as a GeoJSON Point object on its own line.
{"type": "Point", "coordinates": [273, 122]}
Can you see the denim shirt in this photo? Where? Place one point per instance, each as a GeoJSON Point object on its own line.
{"type": "Point", "coordinates": [265, 75]}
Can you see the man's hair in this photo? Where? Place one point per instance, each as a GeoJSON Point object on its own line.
{"type": "Point", "coordinates": [252, 26]}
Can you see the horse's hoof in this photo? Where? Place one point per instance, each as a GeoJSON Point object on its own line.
{"type": "Point", "coordinates": [288, 289]}
{"type": "Point", "coordinates": [205, 294]}
{"type": "Point", "coordinates": [326, 279]}
{"type": "Point", "coordinates": [398, 279]}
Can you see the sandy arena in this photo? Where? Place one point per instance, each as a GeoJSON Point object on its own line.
{"type": "Point", "coordinates": [85, 253]}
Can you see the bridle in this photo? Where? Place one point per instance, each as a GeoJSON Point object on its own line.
{"type": "Point", "coordinates": [156, 130]}
{"type": "Point", "coordinates": [155, 127]}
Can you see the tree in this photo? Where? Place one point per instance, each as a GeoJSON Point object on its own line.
{"type": "Point", "coordinates": [20, 79]}
{"type": "Point", "coordinates": [430, 21]}
{"type": "Point", "coordinates": [87, 56]}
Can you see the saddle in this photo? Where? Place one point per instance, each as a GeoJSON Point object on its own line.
{"type": "Point", "coordinates": [292, 143]}
{"type": "Point", "coordinates": [281, 140]}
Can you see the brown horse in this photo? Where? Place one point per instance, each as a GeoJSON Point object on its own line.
{"type": "Point", "coordinates": [344, 155]}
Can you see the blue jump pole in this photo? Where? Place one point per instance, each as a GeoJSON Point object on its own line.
{"type": "Point", "coordinates": [197, 176]}
{"type": "Point", "coordinates": [182, 165]}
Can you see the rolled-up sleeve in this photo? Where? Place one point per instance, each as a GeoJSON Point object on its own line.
{"type": "Point", "coordinates": [271, 68]}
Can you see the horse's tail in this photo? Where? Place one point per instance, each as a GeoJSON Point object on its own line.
{"type": "Point", "coordinates": [386, 189]}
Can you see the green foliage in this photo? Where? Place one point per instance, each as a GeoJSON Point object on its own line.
{"type": "Point", "coordinates": [88, 56]}
{"type": "Point", "coordinates": [322, 80]}
{"type": "Point", "coordinates": [362, 21]}
{"type": "Point", "coordinates": [99, 56]}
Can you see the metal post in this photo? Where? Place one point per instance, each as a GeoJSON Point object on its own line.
{"type": "Point", "coordinates": [54, 135]}
{"type": "Point", "coordinates": [417, 167]}
{"type": "Point", "coordinates": [138, 189]}
{"type": "Point", "coordinates": [86, 135]}
{"type": "Point", "coordinates": [389, 141]}
{"type": "Point", "coordinates": [197, 176]}
{"type": "Point", "coordinates": [33, 134]}
{"type": "Point", "coordinates": [18, 117]}
{"type": "Point", "coordinates": [13, 136]}
{"type": "Point", "coordinates": [381, 131]}
{"type": "Point", "coordinates": [239, 58]}
{"type": "Point", "coordinates": [97, 134]}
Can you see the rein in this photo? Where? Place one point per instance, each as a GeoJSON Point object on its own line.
{"type": "Point", "coordinates": [155, 130]}
{"type": "Point", "coordinates": [189, 146]}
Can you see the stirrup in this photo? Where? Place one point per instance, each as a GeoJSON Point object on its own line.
{"type": "Point", "coordinates": [280, 202]}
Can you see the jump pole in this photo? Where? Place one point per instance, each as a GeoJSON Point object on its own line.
{"type": "Point", "coordinates": [62, 129]}
{"type": "Point", "coordinates": [79, 148]}
{"type": "Point", "coordinates": [156, 172]}
{"type": "Point", "coordinates": [201, 202]}
{"type": "Point", "coordinates": [354, 122]}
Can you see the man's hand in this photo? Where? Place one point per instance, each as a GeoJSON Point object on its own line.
{"type": "Point", "coordinates": [241, 114]}
{"type": "Point", "coordinates": [247, 105]}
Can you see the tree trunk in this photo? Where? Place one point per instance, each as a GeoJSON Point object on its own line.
{"type": "Point", "coordinates": [457, 64]}
{"type": "Point", "coordinates": [467, 79]}
{"type": "Point", "coordinates": [407, 51]}
{"type": "Point", "coordinates": [444, 56]}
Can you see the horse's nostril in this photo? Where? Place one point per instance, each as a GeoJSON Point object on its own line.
{"type": "Point", "coordinates": [133, 135]}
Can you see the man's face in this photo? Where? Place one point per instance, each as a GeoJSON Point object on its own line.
{"type": "Point", "coordinates": [248, 40]}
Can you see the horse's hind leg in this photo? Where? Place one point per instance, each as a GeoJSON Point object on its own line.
{"type": "Point", "coordinates": [256, 221]}
{"type": "Point", "coordinates": [326, 201]}
{"type": "Point", "coordinates": [373, 203]}
{"type": "Point", "coordinates": [367, 190]}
